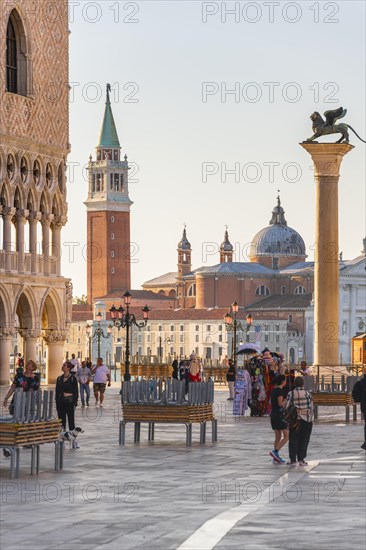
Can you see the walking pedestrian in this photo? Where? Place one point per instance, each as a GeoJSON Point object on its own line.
{"type": "Point", "coordinates": [67, 398]}
{"type": "Point", "coordinates": [231, 377]}
{"type": "Point", "coordinates": [301, 431]}
{"type": "Point", "coordinates": [28, 380]}
{"type": "Point", "coordinates": [102, 375]}
{"type": "Point", "coordinates": [278, 424]}
{"type": "Point", "coordinates": [84, 376]}
{"type": "Point", "coordinates": [359, 396]}
{"type": "Point", "coordinates": [75, 363]}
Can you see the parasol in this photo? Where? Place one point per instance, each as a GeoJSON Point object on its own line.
{"type": "Point", "coordinates": [248, 349]}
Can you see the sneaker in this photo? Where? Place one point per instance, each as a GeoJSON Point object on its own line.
{"type": "Point", "coordinates": [83, 406]}
{"type": "Point", "coordinates": [229, 399]}
{"type": "Point", "coordinates": [96, 402]}
{"type": "Point", "coordinates": [101, 406]}
{"type": "Point", "coordinates": [87, 404]}
{"type": "Point", "coordinates": [291, 464]}
{"type": "Point", "coordinates": [275, 457]}
{"type": "Point", "coordinates": [303, 463]}
{"type": "Point", "coordinates": [363, 446]}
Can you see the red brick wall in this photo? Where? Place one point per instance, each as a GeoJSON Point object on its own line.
{"type": "Point", "coordinates": [101, 280]}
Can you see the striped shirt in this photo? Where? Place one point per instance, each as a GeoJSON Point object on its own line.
{"type": "Point", "coordinates": [303, 401]}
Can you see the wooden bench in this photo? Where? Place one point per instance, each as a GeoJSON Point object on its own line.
{"type": "Point", "coordinates": [168, 414]}
{"type": "Point", "coordinates": [31, 426]}
{"type": "Point", "coordinates": [334, 399]}
{"type": "Point", "coordinates": [166, 402]}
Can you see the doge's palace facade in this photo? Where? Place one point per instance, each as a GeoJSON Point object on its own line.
{"type": "Point", "coordinates": [35, 300]}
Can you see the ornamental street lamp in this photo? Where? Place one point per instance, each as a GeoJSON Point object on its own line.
{"type": "Point", "coordinates": [123, 318]}
{"type": "Point", "coordinates": [161, 344]}
{"type": "Point", "coordinates": [232, 325]}
{"type": "Point", "coordinates": [98, 334]}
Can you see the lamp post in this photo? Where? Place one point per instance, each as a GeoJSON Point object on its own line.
{"type": "Point", "coordinates": [98, 333]}
{"type": "Point", "coordinates": [123, 318]}
{"type": "Point", "coordinates": [161, 344]}
{"type": "Point", "coordinates": [232, 325]}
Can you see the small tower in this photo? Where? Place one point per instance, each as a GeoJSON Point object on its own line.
{"type": "Point", "coordinates": [226, 249]}
{"type": "Point", "coordinates": [108, 214]}
{"type": "Point", "coordinates": [184, 264]}
{"type": "Point", "coordinates": [184, 255]}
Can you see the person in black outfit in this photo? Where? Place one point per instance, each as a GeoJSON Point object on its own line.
{"type": "Point", "coordinates": [279, 426]}
{"type": "Point", "coordinates": [175, 369]}
{"type": "Point", "coordinates": [67, 394]}
{"type": "Point", "coordinates": [231, 377]}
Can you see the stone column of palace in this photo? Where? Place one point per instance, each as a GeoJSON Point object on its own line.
{"type": "Point", "coordinates": [7, 215]}
{"type": "Point", "coordinates": [55, 341]}
{"type": "Point", "coordinates": [21, 220]}
{"type": "Point", "coordinates": [327, 158]}
{"type": "Point", "coordinates": [33, 220]}
{"type": "Point", "coordinates": [5, 351]}
{"type": "Point", "coordinates": [29, 342]}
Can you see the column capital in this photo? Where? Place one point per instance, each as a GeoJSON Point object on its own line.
{"type": "Point", "coordinates": [34, 216]}
{"type": "Point", "coordinates": [21, 215]}
{"type": "Point", "coordinates": [7, 332]}
{"type": "Point", "coordinates": [8, 211]}
{"type": "Point", "coordinates": [55, 336]}
{"type": "Point", "coordinates": [327, 157]}
{"type": "Point", "coordinates": [47, 219]}
{"type": "Point", "coordinates": [30, 334]}
{"type": "Point", "coordinates": [59, 221]}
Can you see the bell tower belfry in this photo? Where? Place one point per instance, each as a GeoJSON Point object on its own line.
{"type": "Point", "coordinates": [108, 214]}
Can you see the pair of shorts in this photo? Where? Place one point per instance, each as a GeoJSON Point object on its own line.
{"type": "Point", "coordinates": [99, 386]}
{"type": "Point", "coordinates": [278, 423]}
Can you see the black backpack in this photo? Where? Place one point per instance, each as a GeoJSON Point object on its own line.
{"type": "Point", "coordinates": [358, 392]}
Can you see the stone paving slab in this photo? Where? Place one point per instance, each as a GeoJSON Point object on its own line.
{"type": "Point", "coordinates": [158, 494]}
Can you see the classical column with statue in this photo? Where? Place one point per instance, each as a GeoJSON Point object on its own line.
{"type": "Point", "coordinates": [327, 158]}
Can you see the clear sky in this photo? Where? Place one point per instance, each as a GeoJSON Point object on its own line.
{"type": "Point", "coordinates": [172, 66]}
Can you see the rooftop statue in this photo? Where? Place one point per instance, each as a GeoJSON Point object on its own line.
{"type": "Point", "coordinates": [323, 127]}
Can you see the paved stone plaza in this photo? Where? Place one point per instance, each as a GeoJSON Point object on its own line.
{"type": "Point", "coordinates": [163, 495]}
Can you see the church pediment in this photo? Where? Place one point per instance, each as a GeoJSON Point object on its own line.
{"type": "Point", "coordinates": [355, 267]}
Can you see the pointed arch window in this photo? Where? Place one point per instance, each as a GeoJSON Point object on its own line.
{"type": "Point", "coordinates": [11, 59]}
{"type": "Point", "coordinates": [18, 57]}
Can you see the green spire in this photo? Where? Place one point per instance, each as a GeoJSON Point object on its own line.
{"type": "Point", "coordinates": [108, 137]}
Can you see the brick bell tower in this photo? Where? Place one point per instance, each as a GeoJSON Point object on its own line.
{"type": "Point", "coordinates": [108, 214]}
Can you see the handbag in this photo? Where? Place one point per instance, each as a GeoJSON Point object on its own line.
{"type": "Point", "coordinates": [291, 415]}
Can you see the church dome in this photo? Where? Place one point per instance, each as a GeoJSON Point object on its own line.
{"type": "Point", "coordinates": [278, 240]}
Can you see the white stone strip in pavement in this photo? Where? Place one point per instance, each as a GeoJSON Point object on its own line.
{"type": "Point", "coordinates": [215, 529]}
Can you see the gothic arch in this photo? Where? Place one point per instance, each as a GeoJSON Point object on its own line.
{"type": "Point", "coordinates": [25, 307]}
{"type": "Point", "coordinates": [44, 204]}
{"type": "Point", "coordinates": [22, 83]}
{"type": "Point", "coordinates": [31, 204]}
{"type": "Point", "coordinates": [50, 311]}
{"type": "Point", "coordinates": [4, 195]}
{"type": "Point", "coordinates": [19, 198]}
{"type": "Point", "coordinates": [6, 320]}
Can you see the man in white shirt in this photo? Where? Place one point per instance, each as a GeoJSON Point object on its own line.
{"type": "Point", "coordinates": [102, 375]}
{"type": "Point", "coordinates": [74, 361]}
{"type": "Point", "coordinates": [84, 376]}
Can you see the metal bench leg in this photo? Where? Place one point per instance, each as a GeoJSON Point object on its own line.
{"type": "Point", "coordinates": [315, 412]}
{"type": "Point", "coordinates": [152, 431]}
{"type": "Point", "coordinates": [347, 413]}
{"type": "Point", "coordinates": [214, 430]}
{"type": "Point", "coordinates": [57, 455]}
{"type": "Point", "coordinates": [14, 462]}
{"type": "Point", "coordinates": [137, 432]}
{"type": "Point", "coordinates": [202, 432]}
{"type": "Point", "coordinates": [37, 458]}
{"type": "Point", "coordinates": [33, 452]}
{"type": "Point", "coordinates": [122, 432]}
{"type": "Point", "coordinates": [354, 413]}
{"type": "Point", "coordinates": [188, 434]}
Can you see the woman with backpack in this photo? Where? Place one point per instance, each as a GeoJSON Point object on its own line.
{"type": "Point", "coordinates": [302, 425]}
{"type": "Point", "coordinates": [67, 394]}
